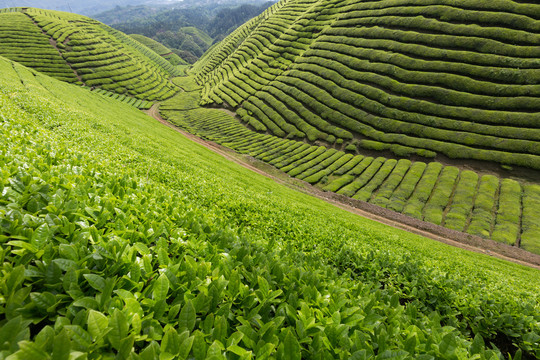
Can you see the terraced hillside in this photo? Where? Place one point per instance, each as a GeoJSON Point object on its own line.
{"type": "Point", "coordinates": [431, 78]}
{"type": "Point", "coordinates": [80, 50]}
{"type": "Point", "coordinates": [427, 108]}
{"type": "Point", "coordinates": [121, 238]}
{"type": "Point", "coordinates": [477, 203]}
{"type": "Point", "coordinates": [159, 49]}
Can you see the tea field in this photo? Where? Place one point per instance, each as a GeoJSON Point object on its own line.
{"type": "Point", "coordinates": [159, 49]}
{"type": "Point", "coordinates": [122, 239]}
{"type": "Point", "coordinates": [485, 205]}
{"type": "Point", "coordinates": [445, 78]}
{"type": "Point", "coordinates": [81, 50]}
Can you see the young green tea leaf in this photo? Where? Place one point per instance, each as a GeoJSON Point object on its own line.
{"type": "Point", "coordinates": [61, 346]}
{"type": "Point", "coordinates": [97, 324]}
{"type": "Point", "coordinates": [291, 350]}
{"type": "Point", "coordinates": [95, 281]}
{"type": "Point", "coordinates": [161, 287]}
{"type": "Point", "coordinates": [118, 326]}
{"type": "Point", "coordinates": [187, 317]}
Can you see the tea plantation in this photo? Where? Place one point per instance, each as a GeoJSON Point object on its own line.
{"type": "Point", "coordinates": [81, 50]}
{"type": "Point", "coordinates": [159, 49]}
{"type": "Point", "coordinates": [427, 108]}
{"type": "Point", "coordinates": [121, 238]}
{"type": "Point", "coordinates": [458, 79]}
{"type": "Point", "coordinates": [502, 209]}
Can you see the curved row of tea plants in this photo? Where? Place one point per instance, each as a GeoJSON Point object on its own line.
{"type": "Point", "coordinates": [443, 195]}
{"type": "Point", "coordinates": [120, 238]}
{"type": "Point", "coordinates": [413, 78]}
{"type": "Point", "coordinates": [221, 50]}
{"type": "Point", "coordinates": [137, 103]}
{"type": "Point", "coordinates": [148, 52]}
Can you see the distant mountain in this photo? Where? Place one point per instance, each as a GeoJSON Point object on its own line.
{"type": "Point", "coordinates": [187, 28]}
{"type": "Point", "coordinates": [228, 19]}
{"type": "Point", "coordinates": [86, 7]}
{"type": "Point", "coordinates": [92, 7]}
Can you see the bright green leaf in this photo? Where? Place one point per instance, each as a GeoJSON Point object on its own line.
{"type": "Point", "coordinates": [95, 281]}
{"type": "Point", "coordinates": [97, 324]}
{"type": "Point", "coordinates": [61, 346]}
{"type": "Point", "coordinates": [187, 317]}
{"type": "Point", "coordinates": [161, 287]}
{"type": "Point", "coordinates": [291, 347]}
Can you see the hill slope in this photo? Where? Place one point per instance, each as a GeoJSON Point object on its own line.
{"type": "Point", "coordinates": [431, 77]}
{"type": "Point", "coordinates": [429, 108]}
{"type": "Point", "coordinates": [159, 249]}
{"type": "Point", "coordinates": [80, 50]}
{"type": "Point", "coordinates": [159, 49]}
{"type": "Point", "coordinates": [479, 203]}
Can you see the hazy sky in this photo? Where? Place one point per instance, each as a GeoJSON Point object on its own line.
{"type": "Point", "coordinates": [92, 7]}
{"type": "Point", "coordinates": [86, 7]}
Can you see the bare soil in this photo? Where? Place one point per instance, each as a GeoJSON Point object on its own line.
{"type": "Point", "coordinates": [367, 210]}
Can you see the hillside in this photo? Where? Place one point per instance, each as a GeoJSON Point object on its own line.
{"type": "Point", "coordinates": [429, 110]}
{"type": "Point", "coordinates": [159, 49]}
{"type": "Point", "coordinates": [162, 249]}
{"type": "Point", "coordinates": [80, 50]}
{"type": "Point", "coordinates": [440, 78]}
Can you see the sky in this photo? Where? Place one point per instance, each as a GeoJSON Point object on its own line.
{"type": "Point", "coordinates": [93, 7]}
{"type": "Point", "coordinates": [85, 7]}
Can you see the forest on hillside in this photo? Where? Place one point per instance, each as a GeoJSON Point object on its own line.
{"type": "Point", "coordinates": [189, 30]}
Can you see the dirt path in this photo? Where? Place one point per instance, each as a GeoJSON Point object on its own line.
{"type": "Point", "coordinates": [367, 210]}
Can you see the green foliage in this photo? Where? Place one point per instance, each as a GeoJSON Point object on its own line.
{"type": "Point", "coordinates": [365, 192]}
{"type": "Point", "coordinates": [462, 202]}
{"type": "Point", "coordinates": [137, 103]}
{"type": "Point", "coordinates": [382, 198]}
{"type": "Point", "coordinates": [319, 172]}
{"type": "Point", "coordinates": [415, 79]}
{"type": "Point", "coordinates": [181, 101]}
{"type": "Point", "coordinates": [433, 210]}
{"type": "Point", "coordinates": [530, 232]}
{"type": "Point", "coordinates": [160, 49]}
{"type": "Point", "coordinates": [423, 190]}
{"type": "Point", "coordinates": [186, 83]}
{"type": "Point", "coordinates": [364, 176]}
{"type": "Point", "coordinates": [483, 216]}
{"type": "Point", "coordinates": [158, 249]}
{"type": "Point", "coordinates": [506, 227]}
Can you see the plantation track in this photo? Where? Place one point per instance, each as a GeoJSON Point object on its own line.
{"type": "Point", "coordinates": [364, 209]}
